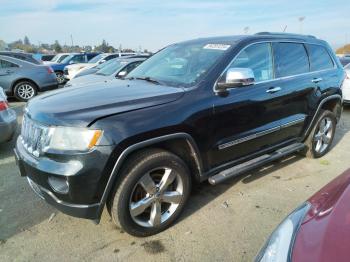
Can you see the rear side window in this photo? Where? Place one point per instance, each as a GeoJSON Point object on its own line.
{"type": "Point", "coordinates": [257, 57]}
{"type": "Point", "coordinates": [290, 59]}
{"type": "Point", "coordinates": [7, 64]}
{"type": "Point", "coordinates": [319, 58]}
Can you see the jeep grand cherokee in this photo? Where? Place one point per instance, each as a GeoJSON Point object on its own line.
{"type": "Point", "coordinates": [206, 109]}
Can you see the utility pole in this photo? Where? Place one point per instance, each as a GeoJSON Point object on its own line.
{"type": "Point", "coordinates": [301, 20]}
{"type": "Point", "coordinates": [284, 29]}
{"type": "Point", "coordinates": [71, 38]}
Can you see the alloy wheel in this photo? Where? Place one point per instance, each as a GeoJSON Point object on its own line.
{"type": "Point", "coordinates": [323, 135]}
{"type": "Point", "coordinates": [25, 91]}
{"type": "Point", "coordinates": [60, 78]}
{"type": "Point", "coordinates": [156, 197]}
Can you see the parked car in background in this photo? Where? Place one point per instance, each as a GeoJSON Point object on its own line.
{"type": "Point", "coordinates": [22, 56]}
{"type": "Point", "coordinates": [317, 231]}
{"type": "Point", "coordinates": [92, 70]}
{"type": "Point", "coordinates": [46, 58]}
{"type": "Point", "coordinates": [116, 68]}
{"type": "Point", "coordinates": [69, 60]}
{"type": "Point", "coordinates": [346, 86]}
{"type": "Point", "coordinates": [204, 109]}
{"type": "Point", "coordinates": [23, 79]}
{"type": "Point", "coordinates": [344, 60]}
{"type": "Point", "coordinates": [57, 58]}
{"type": "Point", "coordinates": [8, 119]}
{"type": "Point", "coordinates": [71, 70]}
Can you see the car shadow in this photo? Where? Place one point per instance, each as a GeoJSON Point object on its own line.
{"type": "Point", "coordinates": [204, 193]}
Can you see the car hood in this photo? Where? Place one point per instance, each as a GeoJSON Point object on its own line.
{"type": "Point", "coordinates": [325, 232]}
{"type": "Point", "coordinates": [91, 79]}
{"type": "Point", "coordinates": [78, 106]}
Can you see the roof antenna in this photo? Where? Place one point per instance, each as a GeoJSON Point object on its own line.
{"type": "Point", "coordinates": [285, 28]}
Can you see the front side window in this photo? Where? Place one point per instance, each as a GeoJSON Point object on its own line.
{"type": "Point", "coordinates": [290, 59]}
{"type": "Point", "coordinates": [257, 57]}
{"type": "Point", "coordinates": [7, 64]}
{"type": "Point", "coordinates": [319, 58]}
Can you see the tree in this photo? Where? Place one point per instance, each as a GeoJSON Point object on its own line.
{"type": "Point", "coordinates": [104, 47]}
{"type": "Point", "coordinates": [344, 50]}
{"type": "Point", "coordinates": [26, 41]}
{"type": "Point", "coordinates": [57, 47]}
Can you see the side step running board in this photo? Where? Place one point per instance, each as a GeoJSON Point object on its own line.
{"type": "Point", "coordinates": [254, 163]}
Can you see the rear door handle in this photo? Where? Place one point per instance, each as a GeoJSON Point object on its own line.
{"type": "Point", "coordinates": [316, 80]}
{"type": "Point", "coordinates": [273, 89]}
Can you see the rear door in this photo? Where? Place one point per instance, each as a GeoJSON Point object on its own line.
{"type": "Point", "coordinates": [292, 70]}
{"type": "Point", "coordinates": [8, 73]}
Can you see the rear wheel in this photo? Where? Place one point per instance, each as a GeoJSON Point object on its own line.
{"type": "Point", "coordinates": [154, 189]}
{"type": "Point", "coordinates": [321, 137]}
{"type": "Point", "coordinates": [25, 90]}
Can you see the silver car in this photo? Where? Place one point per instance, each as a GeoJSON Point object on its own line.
{"type": "Point", "coordinates": [116, 68]}
{"type": "Point", "coordinates": [23, 79]}
{"type": "Point", "coordinates": [8, 119]}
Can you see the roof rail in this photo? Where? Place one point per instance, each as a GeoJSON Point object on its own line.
{"type": "Point", "coordinates": [284, 34]}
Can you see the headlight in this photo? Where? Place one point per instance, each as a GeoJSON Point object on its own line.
{"type": "Point", "coordinates": [279, 246]}
{"type": "Point", "coordinates": [71, 139]}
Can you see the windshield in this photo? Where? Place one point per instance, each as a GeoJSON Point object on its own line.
{"type": "Point", "coordinates": [111, 68]}
{"type": "Point", "coordinates": [58, 58]}
{"type": "Point", "coordinates": [180, 64]}
{"type": "Point", "coordinates": [67, 59]}
{"type": "Point", "coordinates": [96, 58]}
{"type": "Point", "coordinates": [347, 66]}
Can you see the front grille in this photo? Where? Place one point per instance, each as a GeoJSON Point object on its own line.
{"type": "Point", "coordinates": [32, 135]}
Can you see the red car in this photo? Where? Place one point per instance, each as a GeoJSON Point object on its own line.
{"type": "Point", "coordinates": [319, 230]}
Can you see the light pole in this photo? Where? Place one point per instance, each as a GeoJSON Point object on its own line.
{"type": "Point", "coordinates": [301, 19]}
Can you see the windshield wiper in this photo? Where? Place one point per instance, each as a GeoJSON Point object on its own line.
{"type": "Point", "coordinates": [146, 78]}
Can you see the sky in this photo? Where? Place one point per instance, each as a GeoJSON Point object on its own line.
{"type": "Point", "coordinates": [152, 24]}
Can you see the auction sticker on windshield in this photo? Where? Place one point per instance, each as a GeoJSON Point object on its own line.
{"type": "Point", "coordinates": [217, 46]}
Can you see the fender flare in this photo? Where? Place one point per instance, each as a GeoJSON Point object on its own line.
{"type": "Point", "coordinates": [122, 157]}
{"type": "Point", "coordinates": [314, 118]}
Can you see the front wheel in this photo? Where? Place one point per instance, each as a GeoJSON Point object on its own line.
{"type": "Point", "coordinates": [60, 77]}
{"type": "Point", "coordinates": [154, 188]}
{"type": "Point", "coordinates": [321, 137]}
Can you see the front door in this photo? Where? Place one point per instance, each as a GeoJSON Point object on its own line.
{"type": "Point", "coordinates": [7, 74]}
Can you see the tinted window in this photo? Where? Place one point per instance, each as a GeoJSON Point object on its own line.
{"type": "Point", "coordinates": [90, 56]}
{"type": "Point", "coordinates": [131, 66]}
{"type": "Point", "coordinates": [6, 64]}
{"type": "Point", "coordinates": [290, 59]}
{"type": "Point", "coordinates": [257, 57]}
{"type": "Point", "coordinates": [319, 58]}
{"type": "Point", "coordinates": [78, 59]}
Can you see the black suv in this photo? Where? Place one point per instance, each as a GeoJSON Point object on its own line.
{"type": "Point", "coordinates": [206, 109]}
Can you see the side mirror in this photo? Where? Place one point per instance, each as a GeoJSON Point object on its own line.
{"type": "Point", "coordinates": [236, 77]}
{"type": "Point", "coordinates": [121, 74]}
{"type": "Point", "coordinates": [102, 61]}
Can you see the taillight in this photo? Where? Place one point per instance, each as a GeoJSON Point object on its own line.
{"type": "Point", "coordinates": [49, 70]}
{"type": "Point", "coordinates": [3, 105]}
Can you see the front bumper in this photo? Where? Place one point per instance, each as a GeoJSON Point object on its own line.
{"type": "Point", "coordinates": [8, 125]}
{"type": "Point", "coordinates": [84, 173]}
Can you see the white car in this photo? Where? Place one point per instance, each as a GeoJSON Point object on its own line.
{"type": "Point", "coordinates": [346, 85]}
{"type": "Point", "coordinates": [57, 58]}
{"type": "Point", "coordinates": [71, 70]}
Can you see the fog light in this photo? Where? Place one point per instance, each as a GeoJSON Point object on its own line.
{"type": "Point", "coordinates": [59, 184]}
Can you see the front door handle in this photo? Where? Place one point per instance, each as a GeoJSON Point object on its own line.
{"type": "Point", "coordinates": [273, 89]}
{"type": "Point", "coordinates": [316, 80]}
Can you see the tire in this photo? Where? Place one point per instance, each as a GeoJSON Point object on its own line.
{"type": "Point", "coordinates": [142, 218]}
{"type": "Point", "coordinates": [319, 142]}
{"type": "Point", "coordinates": [25, 90]}
{"type": "Point", "coordinates": [60, 77]}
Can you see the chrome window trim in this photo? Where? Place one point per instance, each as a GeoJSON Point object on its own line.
{"type": "Point", "coordinates": [260, 134]}
{"type": "Point", "coordinates": [279, 78]}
